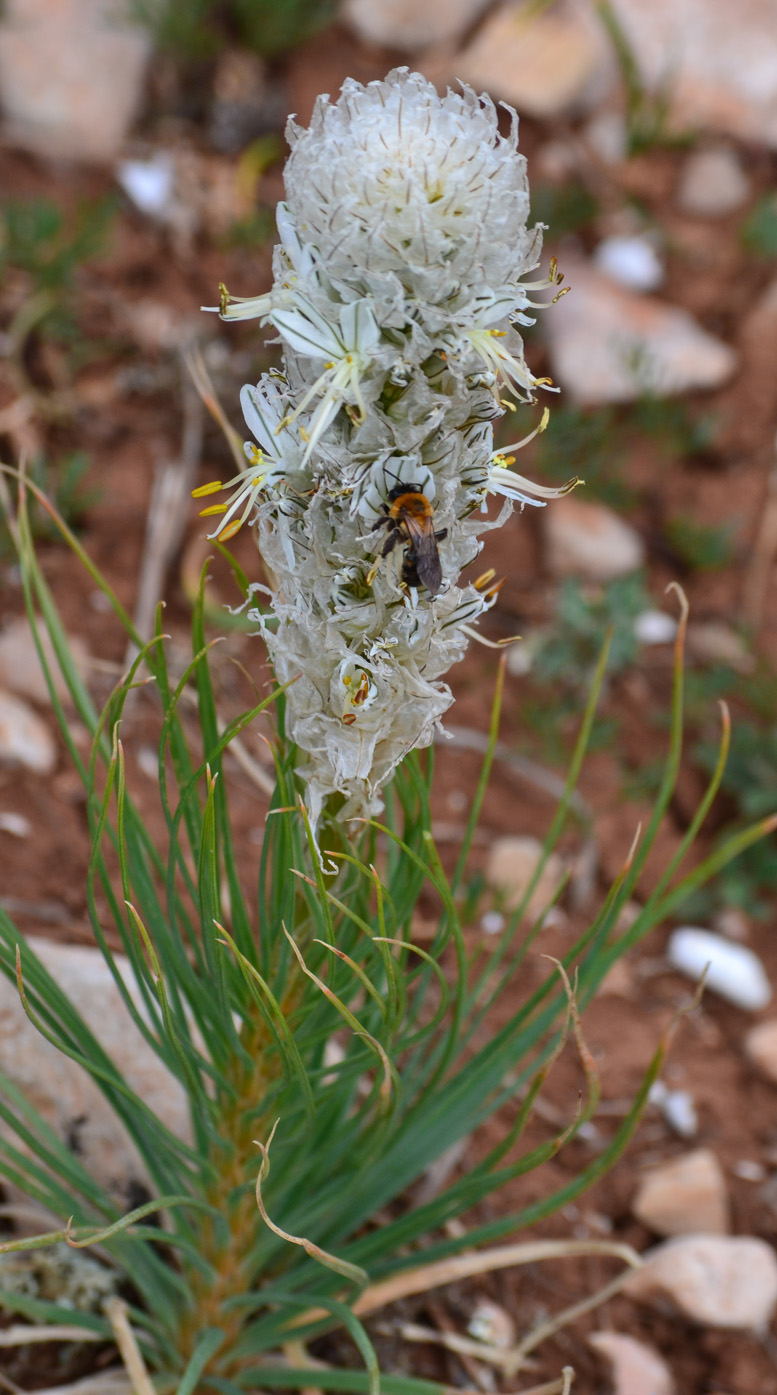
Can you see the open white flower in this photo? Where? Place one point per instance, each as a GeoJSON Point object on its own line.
{"type": "Point", "coordinates": [273, 460]}
{"type": "Point", "coordinates": [347, 346]}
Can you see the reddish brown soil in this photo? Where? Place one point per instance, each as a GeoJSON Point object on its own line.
{"type": "Point", "coordinates": [126, 413]}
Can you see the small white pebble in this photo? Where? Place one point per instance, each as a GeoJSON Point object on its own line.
{"type": "Point", "coordinates": [16, 824]}
{"type": "Point", "coordinates": [148, 760]}
{"type": "Point", "coordinates": [490, 1323]}
{"type": "Point", "coordinates": [655, 627]}
{"type": "Point", "coordinates": [606, 135]}
{"type": "Point", "coordinates": [631, 261]}
{"type": "Point", "coordinates": [677, 1108]}
{"type": "Point", "coordinates": [521, 656]}
{"type": "Point", "coordinates": [733, 970]}
{"type": "Point", "coordinates": [148, 183]}
{"type": "Point", "coordinates": [749, 1170]}
{"type": "Point", "coordinates": [492, 923]}
{"type": "Point", "coordinates": [596, 1220]}
{"type": "Point", "coordinates": [590, 1133]}
{"type": "Point", "coordinates": [680, 1113]}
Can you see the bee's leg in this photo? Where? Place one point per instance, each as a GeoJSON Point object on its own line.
{"type": "Point", "coordinates": [390, 543]}
{"type": "Point", "coordinates": [441, 534]}
{"type": "Point", "coordinates": [381, 523]}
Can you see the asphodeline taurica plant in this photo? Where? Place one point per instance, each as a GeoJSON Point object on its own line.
{"type": "Point", "coordinates": [400, 283]}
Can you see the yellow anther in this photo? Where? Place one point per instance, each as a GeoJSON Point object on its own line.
{"type": "Point", "coordinates": [212, 509]}
{"type": "Point", "coordinates": [212, 488]}
{"type": "Point", "coordinates": [363, 690]}
{"type": "Point", "coordinates": [303, 433]}
{"type": "Point", "coordinates": [347, 680]}
{"type": "Point", "coordinates": [507, 459]}
{"type": "Point", "coordinates": [224, 297]}
{"type": "Point", "coordinates": [230, 530]}
{"type": "Point", "coordinates": [497, 333]}
{"type": "Point", "coordinates": [484, 579]}
{"type": "Point", "coordinates": [255, 455]}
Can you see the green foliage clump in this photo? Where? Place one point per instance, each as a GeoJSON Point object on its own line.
{"type": "Point", "coordinates": [648, 109]}
{"type": "Point", "coordinates": [39, 240]}
{"type": "Point", "coordinates": [759, 231]}
{"type": "Point", "coordinates": [582, 619]}
{"type": "Point", "coordinates": [595, 443]}
{"type": "Point", "coordinates": [698, 546]}
{"type": "Point", "coordinates": [66, 485]}
{"type": "Point", "coordinates": [200, 28]}
{"type": "Point", "coordinates": [566, 208]}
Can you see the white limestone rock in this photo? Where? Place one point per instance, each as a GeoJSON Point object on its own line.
{"type": "Point", "coordinates": [609, 344]}
{"type": "Point", "coordinates": [25, 738]}
{"type": "Point", "coordinates": [20, 667]}
{"type": "Point", "coordinates": [543, 61]}
{"type": "Point", "coordinates": [606, 136]}
{"type": "Point", "coordinates": [733, 970]}
{"type": "Point", "coordinates": [718, 1280]}
{"type": "Point", "coordinates": [686, 1196]}
{"type": "Point", "coordinates": [112, 1382]}
{"type": "Point", "coordinates": [713, 183]}
{"type": "Point", "coordinates": [590, 541]}
{"type": "Point", "coordinates": [631, 261]}
{"type": "Point", "coordinates": [761, 1048]}
{"type": "Point", "coordinates": [636, 1369]}
{"type": "Point", "coordinates": [716, 643]}
{"type": "Point", "coordinates": [405, 24]}
{"type": "Point", "coordinates": [71, 76]}
{"type": "Point", "coordinates": [718, 61]}
{"type": "Point", "coordinates": [65, 1095]}
{"type": "Point", "coordinates": [511, 864]}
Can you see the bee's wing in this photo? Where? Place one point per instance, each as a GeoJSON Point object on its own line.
{"type": "Point", "coordinates": [420, 532]}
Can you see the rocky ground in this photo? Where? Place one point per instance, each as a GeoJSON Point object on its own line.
{"type": "Point", "coordinates": [655, 173]}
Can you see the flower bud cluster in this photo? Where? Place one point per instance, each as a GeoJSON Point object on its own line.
{"type": "Point", "coordinates": [399, 289]}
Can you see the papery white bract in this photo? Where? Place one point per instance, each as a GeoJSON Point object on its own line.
{"type": "Point", "coordinates": [398, 284]}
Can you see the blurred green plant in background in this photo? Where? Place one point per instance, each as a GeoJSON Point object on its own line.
{"type": "Point", "coordinates": [200, 28]}
{"type": "Point", "coordinates": [67, 485]}
{"type": "Point", "coordinates": [699, 547]}
{"type": "Point", "coordinates": [648, 109]}
{"type": "Point", "coordinates": [759, 230]}
{"type": "Point", "coordinates": [582, 619]}
{"type": "Point", "coordinates": [597, 442]}
{"type": "Point", "coordinates": [44, 248]}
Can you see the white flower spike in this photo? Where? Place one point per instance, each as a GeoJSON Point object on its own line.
{"type": "Point", "coordinates": [399, 283]}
